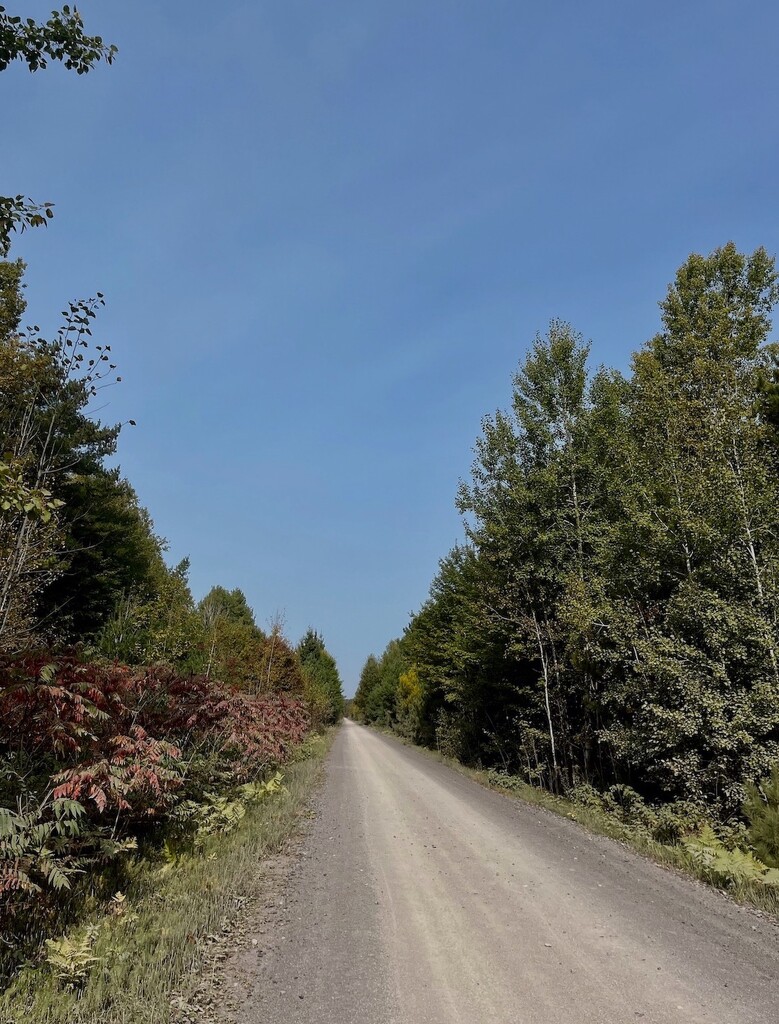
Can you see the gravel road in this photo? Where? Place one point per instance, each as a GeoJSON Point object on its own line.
{"type": "Point", "coordinates": [419, 897]}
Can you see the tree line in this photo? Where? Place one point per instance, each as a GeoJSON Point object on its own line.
{"type": "Point", "coordinates": [611, 615]}
{"type": "Point", "coordinates": [80, 561]}
{"type": "Point", "coordinates": [134, 720]}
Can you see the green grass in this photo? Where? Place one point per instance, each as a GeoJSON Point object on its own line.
{"type": "Point", "coordinates": [159, 937]}
{"type": "Point", "coordinates": [748, 891]}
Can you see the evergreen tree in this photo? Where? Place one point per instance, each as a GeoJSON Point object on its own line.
{"type": "Point", "coordinates": [322, 682]}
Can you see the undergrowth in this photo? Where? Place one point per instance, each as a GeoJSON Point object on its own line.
{"type": "Point", "coordinates": [102, 764]}
{"type": "Point", "coordinates": [122, 967]}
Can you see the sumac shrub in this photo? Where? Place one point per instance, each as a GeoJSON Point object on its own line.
{"type": "Point", "coordinates": [93, 755]}
{"type": "Point", "coordinates": [248, 734]}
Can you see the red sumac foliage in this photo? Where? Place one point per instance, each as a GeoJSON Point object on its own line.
{"type": "Point", "coordinates": [250, 732]}
{"type": "Point", "coordinates": [140, 774]}
{"type": "Point", "coordinates": [117, 739]}
{"type": "Point", "coordinates": [60, 707]}
{"type": "Point", "coordinates": [92, 752]}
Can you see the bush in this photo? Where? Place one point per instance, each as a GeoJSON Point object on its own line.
{"type": "Point", "coordinates": [503, 780]}
{"type": "Point", "coordinates": [585, 795]}
{"type": "Point", "coordinates": [96, 757]}
{"type": "Point", "coordinates": [629, 807]}
{"type": "Point", "coordinates": [677, 820]}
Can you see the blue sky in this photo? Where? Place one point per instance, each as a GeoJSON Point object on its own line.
{"type": "Point", "coordinates": [328, 232]}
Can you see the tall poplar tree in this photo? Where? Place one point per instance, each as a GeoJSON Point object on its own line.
{"type": "Point", "coordinates": [701, 523]}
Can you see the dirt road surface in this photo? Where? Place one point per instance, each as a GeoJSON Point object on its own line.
{"type": "Point", "coordinates": [422, 898]}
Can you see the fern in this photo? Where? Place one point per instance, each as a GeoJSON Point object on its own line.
{"type": "Point", "coordinates": [72, 959]}
{"type": "Point", "coordinates": [252, 792]}
{"type": "Point", "coordinates": [722, 866]}
{"type": "Point", "coordinates": [761, 807]}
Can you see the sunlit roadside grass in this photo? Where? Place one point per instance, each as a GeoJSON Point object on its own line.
{"type": "Point", "coordinates": [125, 970]}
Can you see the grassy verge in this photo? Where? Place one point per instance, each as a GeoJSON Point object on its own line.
{"type": "Point", "coordinates": [133, 958]}
{"type": "Point", "coordinates": [722, 869]}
